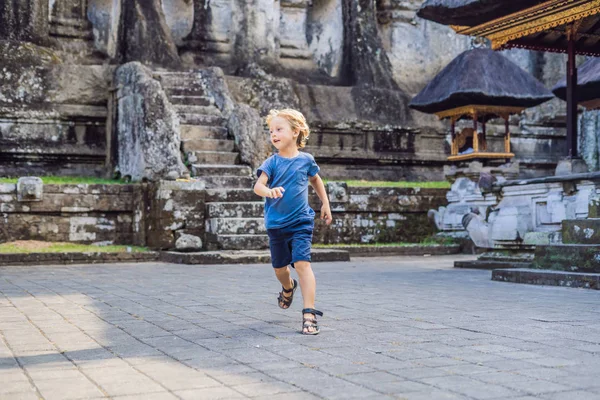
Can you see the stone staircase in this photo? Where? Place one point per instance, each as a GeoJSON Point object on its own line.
{"type": "Point", "coordinates": [234, 214]}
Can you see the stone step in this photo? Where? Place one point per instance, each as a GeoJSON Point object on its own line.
{"type": "Point", "coordinates": [215, 157]}
{"type": "Point", "coordinates": [208, 145]}
{"type": "Point", "coordinates": [581, 231]}
{"type": "Point", "coordinates": [191, 132]}
{"type": "Point", "coordinates": [568, 257]}
{"type": "Point", "coordinates": [222, 170]}
{"type": "Point", "coordinates": [243, 242]}
{"type": "Point", "coordinates": [178, 79]}
{"type": "Point", "coordinates": [230, 182]}
{"type": "Point", "coordinates": [248, 209]}
{"type": "Point", "coordinates": [201, 119]}
{"type": "Point", "coordinates": [191, 90]}
{"type": "Point", "coordinates": [194, 109]}
{"type": "Point", "coordinates": [193, 100]}
{"type": "Point", "coordinates": [548, 278]}
{"type": "Point", "coordinates": [244, 256]}
{"type": "Point", "coordinates": [231, 195]}
{"type": "Point", "coordinates": [236, 226]}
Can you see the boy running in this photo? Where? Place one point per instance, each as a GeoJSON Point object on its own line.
{"type": "Point", "coordinates": [283, 180]}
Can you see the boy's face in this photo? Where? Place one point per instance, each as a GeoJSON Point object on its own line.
{"type": "Point", "coordinates": [282, 135]}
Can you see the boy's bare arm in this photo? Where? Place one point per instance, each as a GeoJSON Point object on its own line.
{"type": "Point", "coordinates": [317, 183]}
{"type": "Point", "coordinates": [261, 189]}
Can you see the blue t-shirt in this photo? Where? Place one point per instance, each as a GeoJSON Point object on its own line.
{"type": "Point", "coordinates": [292, 175]}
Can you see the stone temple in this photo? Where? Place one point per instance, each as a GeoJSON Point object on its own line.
{"type": "Point", "coordinates": [72, 100]}
{"type": "Point", "coordinates": [155, 90]}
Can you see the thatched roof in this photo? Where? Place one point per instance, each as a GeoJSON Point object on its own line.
{"type": "Point", "coordinates": [480, 77]}
{"type": "Point", "coordinates": [471, 12]}
{"type": "Point", "coordinates": [588, 82]}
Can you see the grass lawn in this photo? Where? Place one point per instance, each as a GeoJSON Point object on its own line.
{"type": "Point", "coordinates": [426, 242]}
{"type": "Point", "coordinates": [72, 180]}
{"type": "Point", "coordinates": [34, 246]}
{"type": "Point", "coordinates": [399, 184]}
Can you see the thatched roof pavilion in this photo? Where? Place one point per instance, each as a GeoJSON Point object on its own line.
{"type": "Point", "coordinates": [480, 77]}
{"type": "Point", "coordinates": [563, 26]}
{"type": "Point", "coordinates": [479, 84]}
{"type": "Point", "coordinates": [588, 84]}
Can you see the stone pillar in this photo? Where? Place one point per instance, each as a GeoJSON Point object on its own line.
{"type": "Point", "coordinates": [292, 29]}
{"type": "Point", "coordinates": [68, 19]}
{"type": "Point", "coordinates": [258, 32]}
{"type": "Point", "coordinates": [211, 35]}
{"type": "Point", "coordinates": [418, 49]}
{"type": "Point", "coordinates": [25, 20]}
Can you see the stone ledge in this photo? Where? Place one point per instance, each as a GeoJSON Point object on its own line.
{"type": "Point", "coordinates": [490, 264]}
{"type": "Point", "coordinates": [14, 259]}
{"type": "Point", "coordinates": [382, 251]}
{"type": "Point", "coordinates": [244, 257]}
{"type": "Point", "coordinates": [549, 278]}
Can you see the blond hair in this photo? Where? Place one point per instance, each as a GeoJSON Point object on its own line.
{"type": "Point", "coordinates": [296, 121]}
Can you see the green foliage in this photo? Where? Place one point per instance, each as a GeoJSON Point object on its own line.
{"type": "Point", "coordinates": [68, 248]}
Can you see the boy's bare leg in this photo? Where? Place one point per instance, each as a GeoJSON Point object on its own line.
{"type": "Point", "coordinates": [308, 285]}
{"type": "Point", "coordinates": [285, 278]}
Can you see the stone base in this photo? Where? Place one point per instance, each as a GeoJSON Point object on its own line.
{"type": "Point", "coordinates": [385, 251]}
{"type": "Point", "coordinates": [570, 166]}
{"type": "Point", "coordinates": [490, 264]}
{"type": "Point", "coordinates": [568, 257]}
{"type": "Point", "coordinates": [581, 231]}
{"type": "Point", "coordinates": [43, 259]}
{"type": "Point", "coordinates": [493, 259]}
{"type": "Point", "coordinates": [549, 278]}
{"type": "Point", "coordinates": [244, 257]}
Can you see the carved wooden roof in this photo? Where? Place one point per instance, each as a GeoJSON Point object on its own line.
{"type": "Point", "coordinates": [530, 24]}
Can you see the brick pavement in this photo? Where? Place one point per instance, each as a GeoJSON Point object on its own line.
{"type": "Point", "coordinates": [409, 327]}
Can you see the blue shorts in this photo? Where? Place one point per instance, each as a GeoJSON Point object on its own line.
{"type": "Point", "coordinates": [291, 243]}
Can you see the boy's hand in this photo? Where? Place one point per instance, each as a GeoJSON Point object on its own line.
{"type": "Point", "coordinates": [276, 193]}
{"type": "Point", "coordinates": [326, 214]}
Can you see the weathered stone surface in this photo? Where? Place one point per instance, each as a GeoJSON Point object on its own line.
{"type": "Point", "coordinates": [257, 32]}
{"type": "Point", "coordinates": [30, 189]}
{"type": "Point", "coordinates": [187, 242]}
{"type": "Point", "coordinates": [24, 20]}
{"type": "Point", "coordinates": [243, 121]}
{"type": "Point", "coordinates": [571, 258]}
{"type": "Point", "coordinates": [366, 62]}
{"type": "Point", "coordinates": [148, 127]}
{"type": "Point", "coordinates": [144, 35]}
{"type": "Point", "coordinates": [386, 251]}
{"type": "Point", "coordinates": [24, 77]}
{"type": "Point", "coordinates": [571, 166]}
{"type": "Point", "coordinates": [174, 209]}
{"type": "Point", "coordinates": [581, 231]}
{"type": "Point", "coordinates": [548, 278]}
{"type": "Point", "coordinates": [251, 138]}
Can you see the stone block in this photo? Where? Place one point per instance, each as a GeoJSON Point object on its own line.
{"type": "Point", "coordinates": [571, 166]}
{"type": "Point", "coordinates": [8, 188]}
{"type": "Point", "coordinates": [30, 188]}
{"type": "Point", "coordinates": [549, 278]}
{"type": "Point", "coordinates": [568, 257]}
{"type": "Point", "coordinates": [581, 231]}
{"type": "Point", "coordinates": [187, 242]}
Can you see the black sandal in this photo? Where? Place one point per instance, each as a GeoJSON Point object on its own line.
{"type": "Point", "coordinates": [308, 323]}
{"type": "Point", "coordinates": [286, 302]}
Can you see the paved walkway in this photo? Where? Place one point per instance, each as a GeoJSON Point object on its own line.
{"type": "Point", "coordinates": [409, 328]}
